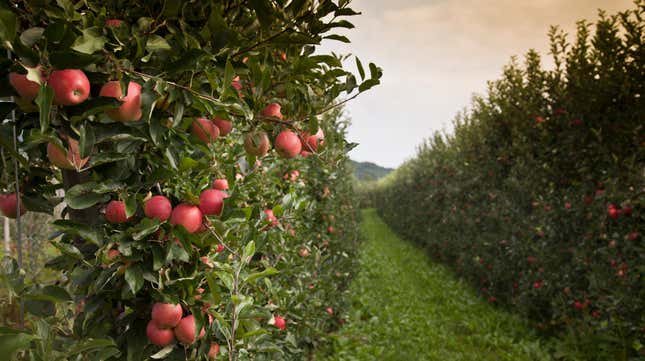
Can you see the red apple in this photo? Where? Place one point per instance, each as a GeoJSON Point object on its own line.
{"type": "Point", "coordinates": [70, 86]}
{"type": "Point", "coordinates": [220, 248]}
{"type": "Point", "coordinates": [288, 144]}
{"type": "Point", "coordinates": [271, 217]}
{"type": "Point", "coordinates": [185, 330]}
{"type": "Point", "coordinates": [188, 216]}
{"type": "Point", "coordinates": [159, 336]}
{"type": "Point", "coordinates": [221, 184]}
{"type": "Point", "coordinates": [211, 202]}
{"type": "Point", "coordinates": [113, 23]}
{"type": "Point", "coordinates": [66, 160]}
{"type": "Point", "coordinates": [113, 254]}
{"type": "Point", "coordinates": [205, 130]}
{"type": "Point", "coordinates": [166, 315]}
{"type": "Point", "coordinates": [303, 252]}
{"type": "Point", "coordinates": [27, 89]}
{"type": "Point", "coordinates": [305, 153]}
{"type": "Point", "coordinates": [225, 126]}
{"type": "Point", "coordinates": [272, 110]}
{"type": "Point", "coordinates": [329, 310]}
{"type": "Point", "coordinates": [311, 142]}
{"type": "Point", "coordinates": [130, 109]}
{"type": "Point", "coordinates": [158, 207]}
{"type": "Point", "coordinates": [8, 204]}
{"type": "Point", "coordinates": [115, 212]}
{"type": "Point", "coordinates": [213, 350]}
{"type": "Point", "coordinates": [235, 83]}
{"type": "Point", "coordinates": [257, 143]}
{"type": "Point", "coordinates": [279, 322]}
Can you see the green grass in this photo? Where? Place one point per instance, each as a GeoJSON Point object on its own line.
{"type": "Point", "coordinates": [406, 308]}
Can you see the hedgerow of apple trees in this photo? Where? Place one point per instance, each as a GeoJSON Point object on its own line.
{"type": "Point", "coordinates": [537, 198]}
{"type": "Point", "coordinates": [158, 119]}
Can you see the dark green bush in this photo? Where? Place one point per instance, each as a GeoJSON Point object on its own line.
{"type": "Point", "coordinates": [537, 198]}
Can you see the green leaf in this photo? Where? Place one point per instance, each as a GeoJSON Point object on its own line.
{"type": "Point", "coordinates": [50, 293]}
{"type": "Point", "coordinates": [31, 36]}
{"type": "Point", "coordinates": [87, 140]}
{"type": "Point", "coordinates": [89, 345]}
{"type": "Point", "coordinates": [249, 251]}
{"type": "Point", "coordinates": [82, 196]}
{"type": "Point", "coordinates": [44, 102]}
{"type": "Point", "coordinates": [259, 275]}
{"type": "Point", "coordinates": [90, 41]}
{"type": "Point", "coordinates": [87, 232]}
{"type": "Point", "coordinates": [263, 10]}
{"type": "Point", "coordinates": [10, 343]}
{"type": "Point", "coordinates": [70, 59]}
{"type": "Point", "coordinates": [163, 352]}
{"type": "Point", "coordinates": [361, 71]}
{"type": "Point", "coordinates": [134, 278]}
{"type": "Point", "coordinates": [146, 227]}
{"type": "Point", "coordinates": [130, 205]}
{"type": "Point", "coordinates": [367, 84]}
{"type": "Point", "coordinates": [156, 43]}
{"type": "Point", "coordinates": [8, 25]}
{"type": "Point", "coordinates": [340, 38]}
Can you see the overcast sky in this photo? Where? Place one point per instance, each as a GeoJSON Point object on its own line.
{"type": "Point", "coordinates": [435, 54]}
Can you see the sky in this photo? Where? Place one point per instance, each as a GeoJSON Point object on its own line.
{"type": "Point", "coordinates": [435, 55]}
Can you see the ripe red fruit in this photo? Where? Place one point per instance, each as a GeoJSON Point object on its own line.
{"type": "Point", "coordinates": [279, 322]}
{"type": "Point", "coordinates": [632, 236]}
{"type": "Point", "coordinates": [329, 310]}
{"type": "Point", "coordinates": [283, 56]}
{"type": "Point", "coordinates": [158, 207]}
{"type": "Point", "coordinates": [271, 217]}
{"type": "Point", "coordinates": [221, 184]}
{"type": "Point", "coordinates": [115, 212]}
{"type": "Point", "coordinates": [185, 330]}
{"type": "Point", "coordinates": [27, 89]}
{"type": "Point", "coordinates": [213, 350]}
{"type": "Point", "coordinates": [305, 154]}
{"type": "Point", "coordinates": [188, 216]}
{"type": "Point", "coordinates": [113, 254]}
{"type": "Point", "coordinates": [288, 144]}
{"type": "Point", "coordinates": [539, 120]}
{"type": "Point", "coordinates": [531, 259]}
{"type": "Point", "coordinates": [8, 203]}
{"type": "Point", "coordinates": [205, 130]}
{"type": "Point", "coordinates": [220, 248]}
{"type": "Point", "coordinates": [627, 210]}
{"type": "Point", "coordinates": [311, 142]}
{"type": "Point", "coordinates": [613, 212]}
{"type": "Point", "coordinates": [303, 252]}
{"type": "Point", "coordinates": [225, 126]}
{"type": "Point", "coordinates": [538, 284]}
{"type": "Point", "coordinates": [567, 205]}
{"type": "Point", "coordinates": [331, 230]}
{"type": "Point", "coordinates": [113, 23]}
{"type": "Point", "coordinates": [272, 110]}
{"type": "Point", "coordinates": [166, 315]}
{"type": "Point", "coordinates": [211, 202]}
{"type": "Point", "coordinates": [70, 159]}
{"type": "Point", "coordinates": [235, 83]}
{"type": "Point", "coordinates": [492, 299]}
{"type": "Point", "coordinates": [159, 336]}
{"type": "Point", "coordinates": [257, 143]}
{"type": "Point", "coordinates": [576, 122]}
{"type": "Point", "coordinates": [70, 86]}
{"type": "Point", "coordinates": [130, 109]}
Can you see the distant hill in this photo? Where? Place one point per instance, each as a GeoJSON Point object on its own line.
{"type": "Point", "coordinates": [369, 171]}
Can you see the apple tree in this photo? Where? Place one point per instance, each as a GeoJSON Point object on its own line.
{"type": "Point", "coordinates": [184, 236]}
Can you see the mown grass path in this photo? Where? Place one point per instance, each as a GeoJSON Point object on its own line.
{"type": "Point", "coordinates": [404, 307]}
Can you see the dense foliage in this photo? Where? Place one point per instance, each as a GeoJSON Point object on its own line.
{"type": "Point", "coordinates": [538, 197]}
{"type": "Point", "coordinates": [125, 100]}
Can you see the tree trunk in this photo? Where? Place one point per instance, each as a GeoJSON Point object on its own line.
{"type": "Point", "coordinates": [7, 236]}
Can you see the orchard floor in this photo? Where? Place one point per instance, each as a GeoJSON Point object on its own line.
{"type": "Point", "coordinates": [404, 307]}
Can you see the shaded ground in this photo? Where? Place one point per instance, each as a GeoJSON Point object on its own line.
{"type": "Point", "coordinates": [406, 308]}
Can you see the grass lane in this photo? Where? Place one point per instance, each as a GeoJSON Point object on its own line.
{"type": "Point", "coordinates": [406, 308]}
